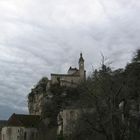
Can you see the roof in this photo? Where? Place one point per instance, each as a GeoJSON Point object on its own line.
{"type": "Point", "coordinates": [73, 69]}
{"type": "Point", "coordinates": [24, 120]}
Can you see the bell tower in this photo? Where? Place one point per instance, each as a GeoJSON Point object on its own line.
{"type": "Point", "coordinates": [82, 71]}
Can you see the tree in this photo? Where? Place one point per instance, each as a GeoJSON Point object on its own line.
{"type": "Point", "coordinates": [132, 76]}
{"type": "Point", "coordinates": [102, 93]}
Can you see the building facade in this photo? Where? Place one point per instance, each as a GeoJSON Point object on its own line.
{"type": "Point", "coordinates": [21, 127]}
{"type": "Point", "coordinates": [3, 123]}
{"type": "Point", "coordinates": [73, 77]}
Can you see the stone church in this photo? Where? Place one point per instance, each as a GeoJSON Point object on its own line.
{"type": "Point", "coordinates": [73, 77]}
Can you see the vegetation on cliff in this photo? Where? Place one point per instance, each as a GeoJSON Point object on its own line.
{"type": "Point", "coordinates": [115, 96]}
{"type": "Point", "coordinates": [54, 99]}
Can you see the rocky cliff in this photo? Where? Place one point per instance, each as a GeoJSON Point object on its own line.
{"type": "Point", "coordinates": [38, 97]}
{"type": "Point", "coordinates": [47, 101]}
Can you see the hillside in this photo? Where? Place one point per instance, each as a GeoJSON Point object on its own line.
{"type": "Point", "coordinates": [114, 95]}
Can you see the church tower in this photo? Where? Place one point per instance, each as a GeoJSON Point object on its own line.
{"type": "Point", "coordinates": [82, 71]}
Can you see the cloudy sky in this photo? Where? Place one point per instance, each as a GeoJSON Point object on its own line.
{"type": "Point", "coordinates": [38, 37]}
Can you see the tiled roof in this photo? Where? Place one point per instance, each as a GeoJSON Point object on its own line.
{"type": "Point", "coordinates": [24, 120]}
{"type": "Point", "coordinates": [73, 69]}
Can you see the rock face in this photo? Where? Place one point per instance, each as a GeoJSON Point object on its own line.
{"type": "Point", "coordinates": [66, 121]}
{"type": "Point", "coordinates": [48, 100]}
{"type": "Point", "coordinates": [35, 103]}
{"type": "Point", "coordinates": [39, 100]}
{"type": "Point", "coordinates": [38, 97]}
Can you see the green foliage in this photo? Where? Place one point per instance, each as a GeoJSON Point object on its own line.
{"type": "Point", "coordinates": [40, 87]}
{"type": "Point", "coordinates": [136, 57]}
{"type": "Point", "coordinates": [132, 77]}
{"type": "Point", "coordinates": [60, 137]}
{"type": "Point", "coordinates": [59, 98]}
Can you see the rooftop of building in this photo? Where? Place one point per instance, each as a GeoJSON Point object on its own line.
{"type": "Point", "coordinates": [71, 68]}
{"type": "Point", "coordinates": [24, 120]}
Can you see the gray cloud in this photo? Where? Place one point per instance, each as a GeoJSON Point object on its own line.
{"type": "Point", "coordinates": [43, 36]}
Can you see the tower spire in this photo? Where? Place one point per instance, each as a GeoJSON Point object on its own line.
{"type": "Point", "coordinates": [81, 59]}
{"type": "Point", "coordinates": [81, 68]}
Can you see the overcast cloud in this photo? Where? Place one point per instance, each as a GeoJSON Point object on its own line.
{"type": "Point", "coordinates": [38, 37]}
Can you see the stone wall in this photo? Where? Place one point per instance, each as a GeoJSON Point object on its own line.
{"type": "Point", "coordinates": [71, 79]}
{"type": "Point", "coordinates": [38, 96]}
{"type": "Point", "coordinates": [19, 133]}
{"type": "Point", "coordinates": [3, 123]}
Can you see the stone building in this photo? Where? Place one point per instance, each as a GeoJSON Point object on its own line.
{"type": "Point", "coordinates": [3, 123]}
{"type": "Point", "coordinates": [73, 77]}
{"type": "Point", "coordinates": [21, 127]}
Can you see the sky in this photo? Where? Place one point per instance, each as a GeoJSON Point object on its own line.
{"type": "Point", "coordinates": [39, 37]}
